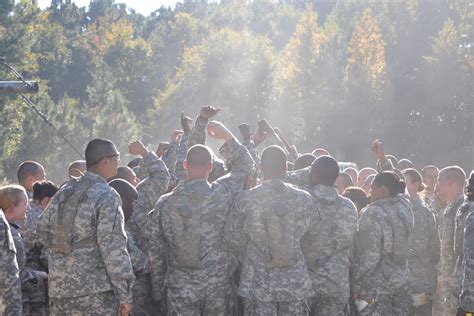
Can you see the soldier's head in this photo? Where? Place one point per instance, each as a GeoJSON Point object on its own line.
{"type": "Point", "coordinates": [135, 162]}
{"type": "Point", "coordinates": [470, 187]}
{"type": "Point", "coordinates": [102, 157]}
{"type": "Point", "coordinates": [343, 181]}
{"type": "Point", "coordinates": [320, 152]}
{"type": "Point", "coordinates": [127, 193]}
{"type": "Point", "coordinates": [28, 173]}
{"type": "Point", "coordinates": [363, 174]}
{"type": "Point", "coordinates": [303, 161]}
{"type": "Point", "coordinates": [353, 173]}
{"type": "Point", "coordinates": [324, 171]}
{"type": "Point", "coordinates": [198, 162]}
{"type": "Point", "coordinates": [430, 176]}
{"type": "Point", "coordinates": [386, 185]}
{"type": "Point", "coordinates": [450, 185]}
{"type": "Point", "coordinates": [357, 196]}
{"type": "Point", "coordinates": [77, 169]}
{"type": "Point", "coordinates": [14, 202]}
{"type": "Point", "coordinates": [405, 164]}
{"type": "Point", "coordinates": [273, 162]}
{"type": "Point", "coordinates": [43, 192]}
{"type": "Point", "coordinates": [127, 174]}
{"type": "Point", "coordinates": [413, 181]}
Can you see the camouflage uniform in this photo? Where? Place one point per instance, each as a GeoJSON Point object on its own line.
{"type": "Point", "coordinates": [446, 297]}
{"type": "Point", "coordinates": [424, 255]}
{"type": "Point", "coordinates": [328, 249]}
{"type": "Point", "coordinates": [181, 152]}
{"type": "Point", "coordinates": [154, 184]}
{"type": "Point", "coordinates": [265, 230]}
{"type": "Point", "coordinates": [188, 256]}
{"type": "Point", "coordinates": [380, 271]}
{"type": "Point", "coordinates": [83, 230]}
{"type": "Point", "coordinates": [33, 286]}
{"type": "Point", "coordinates": [10, 286]}
{"type": "Point", "coordinates": [466, 298]}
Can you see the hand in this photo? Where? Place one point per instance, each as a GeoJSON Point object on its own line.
{"type": "Point", "coordinates": [245, 131]}
{"type": "Point", "coordinates": [186, 123]}
{"type": "Point", "coordinates": [208, 112]}
{"type": "Point", "coordinates": [265, 126]}
{"type": "Point", "coordinates": [260, 136]}
{"type": "Point", "coordinates": [137, 148]}
{"type": "Point", "coordinates": [377, 148]}
{"type": "Point", "coordinates": [176, 136]}
{"type": "Point", "coordinates": [125, 309]}
{"type": "Point", "coordinates": [162, 148]}
{"type": "Point", "coordinates": [217, 130]}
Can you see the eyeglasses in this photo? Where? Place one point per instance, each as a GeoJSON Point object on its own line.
{"type": "Point", "coordinates": [109, 156]}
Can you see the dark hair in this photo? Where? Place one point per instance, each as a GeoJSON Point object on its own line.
{"type": "Point", "coordinates": [135, 162]}
{"type": "Point", "coordinates": [127, 193]}
{"type": "Point", "coordinates": [44, 189]}
{"type": "Point", "coordinates": [324, 170]}
{"type": "Point", "coordinates": [97, 149]}
{"type": "Point", "coordinates": [26, 169]}
{"type": "Point", "coordinates": [414, 176]}
{"type": "Point", "coordinates": [391, 181]}
{"type": "Point", "coordinates": [199, 156]}
{"type": "Point", "coordinates": [356, 195]}
{"type": "Point", "coordinates": [304, 161]}
{"type": "Point", "coordinates": [470, 187]}
{"type": "Point", "coordinates": [273, 162]}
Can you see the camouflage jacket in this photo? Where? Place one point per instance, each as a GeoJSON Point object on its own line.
{"type": "Point", "coordinates": [328, 246]}
{"type": "Point", "coordinates": [86, 241]}
{"type": "Point", "coordinates": [459, 227]}
{"type": "Point", "coordinates": [10, 286]}
{"type": "Point", "coordinates": [466, 298]}
{"type": "Point", "coordinates": [185, 232]}
{"type": "Point", "coordinates": [382, 248]}
{"type": "Point", "coordinates": [265, 231]}
{"type": "Point", "coordinates": [424, 249]}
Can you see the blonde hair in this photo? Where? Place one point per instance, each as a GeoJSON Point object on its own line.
{"type": "Point", "coordinates": [11, 195]}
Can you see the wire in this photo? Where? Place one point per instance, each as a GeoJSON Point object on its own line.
{"type": "Point", "coordinates": [35, 108]}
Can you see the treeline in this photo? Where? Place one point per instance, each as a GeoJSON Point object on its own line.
{"type": "Point", "coordinates": [332, 74]}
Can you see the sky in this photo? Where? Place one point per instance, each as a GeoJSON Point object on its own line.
{"type": "Point", "coordinates": [144, 7]}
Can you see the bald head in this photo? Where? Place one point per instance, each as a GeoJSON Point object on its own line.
{"type": "Point", "coordinates": [127, 193]}
{"type": "Point", "coordinates": [453, 174]}
{"type": "Point", "coordinates": [199, 156]}
{"type": "Point", "coordinates": [273, 162]}
{"type": "Point", "coordinates": [97, 149]}
{"type": "Point", "coordinates": [303, 161]}
{"type": "Point", "coordinates": [405, 164]}
{"type": "Point", "coordinates": [28, 173]}
{"type": "Point", "coordinates": [127, 174]}
{"type": "Point", "coordinates": [324, 171]}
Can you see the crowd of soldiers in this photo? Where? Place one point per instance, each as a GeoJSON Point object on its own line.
{"type": "Point", "coordinates": [266, 231]}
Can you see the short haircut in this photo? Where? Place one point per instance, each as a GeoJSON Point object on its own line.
{"type": "Point", "coordinates": [414, 176]}
{"type": "Point", "coordinates": [320, 152]}
{"type": "Point", "coordinates": [273, 161]}
{"type": "Point", "coordinates": [123, 172]}
{"type": "Point", "coordinates": [428, 168]}
{"type": "Point", "coordinates": [470, 187]}
{"type": "Point", "coordinates": [11, 195]}
{"type": "Point", "coordinates": [454, 174]}
{"type": "Point", "coordinates": [324, 170]}
{"type": "Point", "coordinates": [43, 189]}
{"type": "Point", "coordinates": [97, 149]}
{"type": "Point", "coordinates": [304, 161]}
{"type": "Point", "coordinates": [405, 163]}
{"type": "Point", "coordinates": [346, 178]}
{"type": "Point", "coordinates": [76, 165]}
{"type": "Point", "coordinates": [199, 156]}
{"type": "Point", "coordinates": [127, 193]}
{"type": "Point", "coordinates": [27, 169]}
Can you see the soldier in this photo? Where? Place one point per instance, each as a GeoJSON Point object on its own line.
{"type": "Point", "coordinates": [265, 230]}
{"type": "Point", "coordinates": [188, 255]}
{"type": "Point", "coordinates": [424, 248]}
{"type": "Point", "coordinates": [450, 190]}
{"type": "Point", "coordinates": [343, 181]}
{"type": "Point", "coordinates": [357, 196]}
{"type": "Point", "coordinates": [364, 173]}
{"type": "Point", "coordinates": [466, 297]}
{"type": "Point", "coordinates": [10, 285]}
{"type": "Point", "coordinates": [405, 164]}
{"type": "Point", "coordinates": [83, 229]}
{"type": "Point", "coordinates": [126, 173]}
{"type": "Point", "coordinates": [77, 169]}
{"type": "Point", "coordinates": [28, 173]}
{"type": "Point", "coordinates": [328, 246]}
{"type": "Point", "coordinates": [380, 271]}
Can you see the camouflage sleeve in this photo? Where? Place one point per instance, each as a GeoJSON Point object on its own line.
{"type": "Point", "coordinates": [156, 252]}
{"type": "Point", "coordinates": [368, 248]}
{"type": "Point", "coordinates": [198, 133]}
{"type": "Point", "coordinates": [10, 286]}
{"type": "Point", "coordinates": [151, 187]}
{"type": "Point", "coordinates": [112, 241]}
{"type": "Point", "coordinates": [250, 145]}
{"type": "Point", "coordinates": [170, 156]}
{"type": "Point", "coordinates": [44, 228]}
{"type": "Point", "coordinates": [182, 148]}
{"type": "Point", "coordinates": [467, 291]}
{"type": "Point", "coordinates": [434, 243]}
{"type": "Point", "coordinates": [239, 158]}
{"type": "Point", "coordinates": [299, 177]}
{"type": "Point", "coordinates": [235, 236]}
{"type": "Point", "coordinates": [137, 257]}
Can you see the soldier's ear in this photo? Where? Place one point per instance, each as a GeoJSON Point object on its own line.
{"type": "Point", "coordinates": [209, 167]}
{"type": "Point", "coordinates": [185, 164]}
